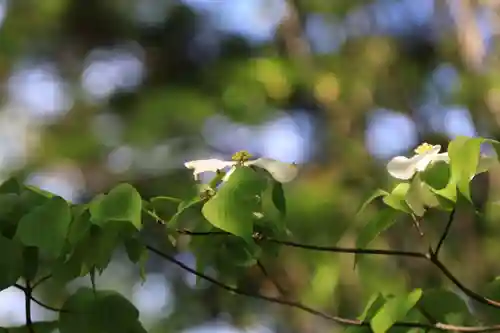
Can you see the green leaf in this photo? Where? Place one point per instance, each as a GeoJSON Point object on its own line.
{"type": "Point", "coordinates": [279, 199]}
{"type": "Point", "coordinates": [10, 262]}
{"type": "Point", "coordinates": [235, 251]}
{"type": "Point", "coordinates": [113, 313]}
{"type": "Point", "coordinates": [31, 262]}
{"type": "Point", "coordinates": [382, 221]}
{"type": "Point", "coordinates": [443, 303]}
{"type": "Point", "coordinates": [11, 185]}
{"type": "Point", "coordinates": [375, 302]}
{"type": "Point", "coordinates": [65, 270]}
{"type": "Point", "coordinates": [80, 226]}
{"type": "Point", "coordinates": [102, 311]}
{"type": "Point", "coordinates": [134, 248]}
{"type": "Point", "coordinates": [102, 243]}
{"type": "Point", "coordinates": [449, 194]}
{"type": "Point", "coordinates": [377, 194]}
{"type": "Point", "coordinates": [8, 203]}
{"type": "Point", "coordinates": [38, 327]}
{"type": "Point", "coordinates": [183, 208]}
{"type": "Point", "coordinates": [205, 248]}
{"type": "Point", "coordinates": [393, 310]}
{"type": "Point", "coordinates": [397, 198]}
{"type": "Point", "coordinates": [123, 203]}
{"type": "Point", "coordinates": [437, 175]}
{"type": "Point", "coordinates": [165, 198]}
{"type": "Point", "coordinates": [46, 227]}
{"type": "Point", "coordinates": [464, 159]}
{"type": "Point", "coordinates": [232, 208]}
{"type": "Point", "coordinates": [75, 317]}
{"type": "Point", "coordinates": [38, 190]}
{"type": "Point", "coordinates": [419, 196]}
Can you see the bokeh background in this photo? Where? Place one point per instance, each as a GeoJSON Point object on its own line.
{"type": "Point", "coordinates": [98, 92]}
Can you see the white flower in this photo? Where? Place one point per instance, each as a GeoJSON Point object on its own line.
{"type": "Point", "coordinates": [280, 171]}
{"type": "Point", "coordinates": [404, 168]}
{"type": "Point", "coordinates": [212, 165]}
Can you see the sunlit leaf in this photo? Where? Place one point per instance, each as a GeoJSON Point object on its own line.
{"type": "Point", "coordinates": [393, 310]}
{"type": "Point", "coordinates": [123, 203]}
{"type": "Point", "coordinates": [397, 198]}
{"type": "Point", "coordinates": [464, 158]}
{"type": "Point", "coordinates": [232, 208]}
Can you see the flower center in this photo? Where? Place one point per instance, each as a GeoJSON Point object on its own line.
{"type": "Point", "coordinates": [241, 156]}
{"type": "Point", "coordinates": [423, 148]}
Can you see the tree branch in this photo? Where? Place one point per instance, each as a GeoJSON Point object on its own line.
{"type": "Point", "coordinates": [297, 305]}
{"type": "Point", "coordinates": [337, 249]}
{"type": "Point", "coordinates": [27, 306]}
{"type": "Point", "coordinates": [28, 292]}
{"type": "Point", "coordinates": [431, 256]}
{"type": "Point", "coordinates": [475, 296]}
{"type": "Point", "coordinates": [445, 232]}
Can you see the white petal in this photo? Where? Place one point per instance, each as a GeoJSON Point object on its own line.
{"type": "Point", "coordinates": [281, 171]}
{"type": "Point", "coordinates": [401, 167]}
{"type": "Point", "coordinates": [422, 161]}
{"type": "Point", "coordinates": [441, 157]}
{"type": "Point", "coordinates": [200, 166]}
{"type": "Point", "coordinates": [435, 149]}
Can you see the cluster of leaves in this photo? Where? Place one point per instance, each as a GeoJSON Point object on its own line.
{"type": "Point", "coordinates": [442, 186]}
{"type": "Point", "coordinates": [44, 236]}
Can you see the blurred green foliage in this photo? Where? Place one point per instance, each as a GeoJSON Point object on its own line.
{"type": "Point", "coordinates": [191, 70]}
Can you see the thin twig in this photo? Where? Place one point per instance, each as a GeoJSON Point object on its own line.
{"type": "Point", "coordinates": [431, 257]}
{"type": "Point", "coordinates": [416, 223]}
{"type": "Point", "coordinates": [202, 233]}
{"type": "Point", "coordinates": [475, 296]}
{"type": "Point", "coordinates": [445, 232]}
{"type": "Point", "coordinates": [275, 282]}
{"type": "Point", "coordinates": [39, 282]}
{"type": "Point", "coordinates": [27, 306]}
{"type": "Point", "coordinates": [31, 297]}
{"type": "Point", "coordinates": [334, 249]}
{"type": "Point", "coordinates": [297, 305]}
{"type": "Point", "coordinates": [337, 249]}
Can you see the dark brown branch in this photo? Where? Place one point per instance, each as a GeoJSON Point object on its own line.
{"type": "Point", "coordinates": [27, 306]}
{"type": "Point", "coordinates": [32, 298]}
{"type": "Point", "coordinates": [431, 257]}
{"type": "Point", "coordinates": [297, 305]}
{"type": "Point", "coordinates": [445, 232]}
{"type": "Point", "coordinates": [337, 249]}
{"type": "Point", "coordinates": [475, 296]}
